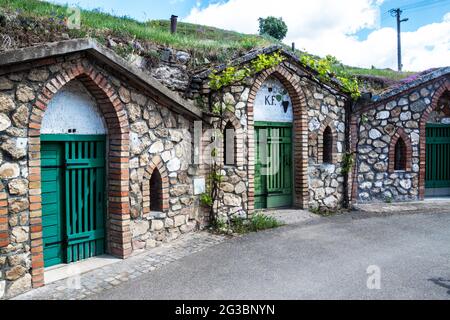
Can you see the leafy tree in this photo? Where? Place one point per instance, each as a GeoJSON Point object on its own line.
{"type": "Point", "coordinates": [274, 27]}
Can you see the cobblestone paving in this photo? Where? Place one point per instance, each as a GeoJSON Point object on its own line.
{"type": "Point", "coordinates": [108, 277]}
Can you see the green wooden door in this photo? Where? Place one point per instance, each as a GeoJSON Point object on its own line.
{"type": "Point", "coordinates": [438, 158]}
{"type": "Point", "coordinates": [52, 200]}
{"type": "Point", "coordinates": [85, 199]}
{"type": "Point", "coordinates": [273, 170]}
{"type": "Point", "coordinates": [81, 188]}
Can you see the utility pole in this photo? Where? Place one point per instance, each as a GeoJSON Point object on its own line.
{"type": "Point", "coordinates": [397, 13]}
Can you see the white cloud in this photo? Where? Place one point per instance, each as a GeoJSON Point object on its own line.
{"type": "Point", "coordinates": [329, 27]}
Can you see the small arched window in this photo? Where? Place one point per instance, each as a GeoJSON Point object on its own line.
{"type": "Point", "coordinates": [328, 145]}
{"type": "Point", "coordinates": [156, 197]}
{"type": "Point", "coordinates": [400, 155]}
{"type": "Point", "coordinates": [229, 145]}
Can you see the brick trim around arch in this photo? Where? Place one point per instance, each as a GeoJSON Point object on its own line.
{"type": "Point", "coordinates": [423, 136]}
{"type": "Point", "coordinates": [4, 224]}
{"type": "Point", "coordinates": [300, 138]}
{"type": "Point", "coordinates": [327, 123]}
{"type": "Point", "coordinates": [400, 134]}
{"type": "Point", "coordinates": [155, 164]}
{"type": "Point", "coordinates": [118, 212]}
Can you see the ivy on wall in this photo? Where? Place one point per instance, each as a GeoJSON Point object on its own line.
{"type": "Point", "coordinates": [219, 80]}
{"type": "Point", "coordinates": [327, 69]}
{"type": "Point", "coordinates": [330, 68]}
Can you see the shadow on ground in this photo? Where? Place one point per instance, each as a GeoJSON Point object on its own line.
{"type": "Point", "coordinates": [441, 282]}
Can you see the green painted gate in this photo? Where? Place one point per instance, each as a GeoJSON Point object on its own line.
{"type": "Point", "coordinates": [273, 169]}
{"type": "Point", "coordinates": [73, 197]}
{"type": "Point", "coordinates": [438, 158]}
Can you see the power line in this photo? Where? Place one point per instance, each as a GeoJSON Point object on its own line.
{"type": "Point", "coordinates": [432, 6]}
{"type": "Point", "coordinates": [418, 6]}
{"type": "Point", "coordinates": [423, 4]}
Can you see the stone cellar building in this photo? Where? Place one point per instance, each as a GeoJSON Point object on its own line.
{"type": "Point", "coordinates": [99, 157]}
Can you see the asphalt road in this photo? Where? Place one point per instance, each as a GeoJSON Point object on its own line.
{"type": "Point", "coordinates": [325, 259]}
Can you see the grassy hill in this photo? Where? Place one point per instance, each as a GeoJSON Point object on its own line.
{"type": "Point", "coordinates": [208, 41]}
{"type": "Point", "coordinates": [39, 21]}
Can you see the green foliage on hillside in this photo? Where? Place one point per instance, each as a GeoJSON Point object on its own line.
{"type": "Point", "coordinates": [211, 43]}
{"type": "Point", "coordinates": [330, 68]}
{"type": "Point", "coordinates": [206, 44]}
{"type": "Point", "coordinates": [384, 73]}
{"type": "Point", "coordinates": [274, 27]}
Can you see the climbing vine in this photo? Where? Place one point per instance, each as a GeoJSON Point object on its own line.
{"type": "Point", "coordinates": [219, 80]}
{"type": "Point", "coordinates": [347, 163]}
{"type": "Point", "coordinates": [329, 68]}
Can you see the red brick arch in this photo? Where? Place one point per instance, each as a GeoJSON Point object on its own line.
{"type": "Point", "coordinates": [118, 220]}
{"type": "Point", "coordinates": [4, 225]}
{"type": "Point", "coordinates": [400, 134]}
{"type": "Point", "coordinates": [327, 123]}
{"type": "Point", "coordinates": [423, 123]}
{"type": "Point", "coordinates": [156, 164]}
{"type": "Point", "coordinates": [300, 137]}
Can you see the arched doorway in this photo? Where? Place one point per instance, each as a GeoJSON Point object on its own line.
{"type": "Point", "coordinates": [437, 126]}
{"type": "Point", "coordinates": [273, 122]}
{"type": "Point", "coordinates": [299, 136]}
{"type": "Point", "coordinates": [73, 177]}
{"type": "Point", "coordinates": [113, 112]}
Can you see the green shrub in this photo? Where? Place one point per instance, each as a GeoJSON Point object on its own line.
{"type": "Point", "coordinates": [261, 222]}
{"type": "Point", "coordinates": [239, 225]}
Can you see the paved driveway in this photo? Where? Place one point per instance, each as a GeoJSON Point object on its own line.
{"type": "Point", "coordinates": [324, 259]}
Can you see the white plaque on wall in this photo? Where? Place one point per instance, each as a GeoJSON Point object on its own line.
{"type": "Point", "coordinates": [273, 103]}
{"type": "Point", "coordinates": [199, 186]}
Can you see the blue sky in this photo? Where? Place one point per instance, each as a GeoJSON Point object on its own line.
{"type": "Point", "coordinates": [345, 28]}
{"type": "Point", "coordinates": [419, 16]}
{"type": "Point", "coordinates": [162, 9]}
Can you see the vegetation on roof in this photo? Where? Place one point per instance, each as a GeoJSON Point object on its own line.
{"type": "Point", "coordinates": [40, 21]}
{"type": "Point", "coordinates": [209, 44]}
{"type": "Point", "coordinates": [383, 73]}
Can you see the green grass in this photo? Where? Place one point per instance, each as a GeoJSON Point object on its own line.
{"type": "Point", "coordinates": [261, 222]}
{"type": "Point", "coordinates": [206, 44]}
{"type": "Point", "coordinates": [258, 222]}
{"type": "Point", "coordinates": [383, 73]}
{"type": "Point", "coordinates": [215, 43]}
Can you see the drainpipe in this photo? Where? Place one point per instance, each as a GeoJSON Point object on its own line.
{"type": "Point", "coordinates": [349, 106]}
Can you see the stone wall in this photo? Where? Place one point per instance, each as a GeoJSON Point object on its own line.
{"type": "Point", "coordinates": [233, 194]}
{"type": "Point", "coordinates": [379, 126]}
{"type": "Point", "coordinates": [325, 179]}
{"type": "Point", "coordinates": [158, 136]}
{"type": "Point", "coordinates": [324, 182]}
